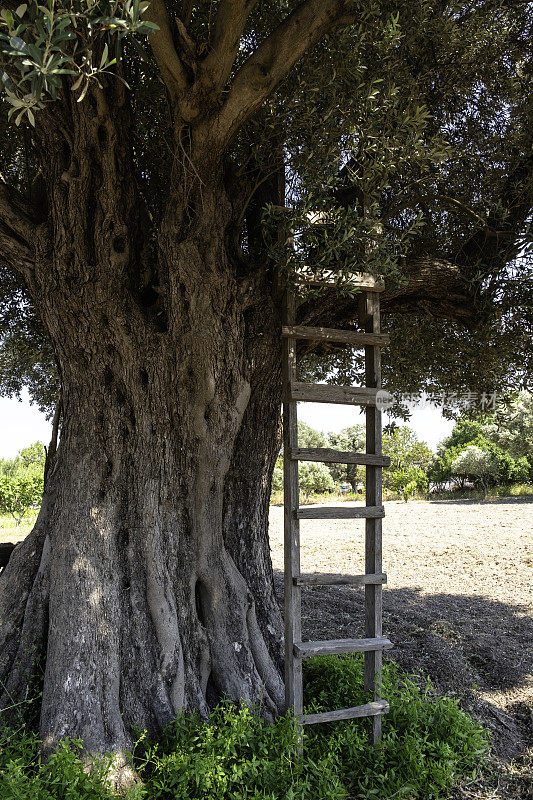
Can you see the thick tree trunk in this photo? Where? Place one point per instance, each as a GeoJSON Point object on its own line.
{"type": "Point", "coordinates": [146, 586]}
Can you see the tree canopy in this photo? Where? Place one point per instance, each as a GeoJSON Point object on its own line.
{"type": "Point", "coordinates": [408, 126]}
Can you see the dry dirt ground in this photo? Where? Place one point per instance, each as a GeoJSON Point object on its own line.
{"type": "Point", "coordinates": [457, 605]}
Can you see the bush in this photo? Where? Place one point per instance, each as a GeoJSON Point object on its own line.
{"type": "Point", "coordinates": [314, 478]}
{"type": "Point", "coordinates": [428, 743]}
{"type": "Point", "coordinates": [19, 493]}
{"type": "Point", "coordinates": [408, 481]}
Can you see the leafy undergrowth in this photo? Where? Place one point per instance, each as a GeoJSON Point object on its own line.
{"type": "Point", "coordinates": [428, 744]}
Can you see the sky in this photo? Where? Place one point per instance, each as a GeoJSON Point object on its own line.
{"type": "Point", "coordinates": [426, 420]}
{"type": "Point", "coordinates": [22, 424]}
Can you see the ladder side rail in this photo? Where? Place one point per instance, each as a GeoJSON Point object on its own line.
{"type": "Point", "coordinates": [292, 592]}
{"type": "Point", "coordinates": [373, 526]}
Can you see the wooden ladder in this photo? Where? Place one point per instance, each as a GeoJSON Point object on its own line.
{"type": "Point", "coordinates": [293, 391]}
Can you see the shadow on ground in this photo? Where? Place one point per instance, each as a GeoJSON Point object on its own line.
{"type": "Point", "coordinates": [468, 645]}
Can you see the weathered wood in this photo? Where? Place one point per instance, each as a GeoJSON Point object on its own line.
{"type": "Point", "coordinates": [341, 646]}
{"type": "Point", "coordinates": [292, 593]}
{"type": "Point", "coordinates": [366, 710]}
{"type": "Point", "coordinates": [326, 393]}
{"type": "Point", "coordinates": [355, 338]}
{"type": "Point", "coordinates": [353, 512]}
{"type": "Point", "coordinates": [370, 320]}
{"type": "Point", "coordinates": [330, 456]}
{"type": "Point", "coordinates": [6, 548]}
{"type": "Point", "coordinates": [373, 645]}
{"type": "Point", "coordinates": [337, 579]}
{"type": "Point", "coordinates": [328, 277]}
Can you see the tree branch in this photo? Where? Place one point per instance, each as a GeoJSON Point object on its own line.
{"type": "Point", "coordinates": [274, 57]}
{"type": "Point", "coordinates": [432, 286]}
{"type": "Point", "coordinates": [17, 229]}
{"type": "Point", "coordinates": [229, 25]}
{"type": "Point", "coordinates": [186, 11]}
{"type": "Point", "coordinates": [168, 60]}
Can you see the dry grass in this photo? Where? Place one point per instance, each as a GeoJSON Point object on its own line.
{"type": "Point", "coordinates": [11, 532]}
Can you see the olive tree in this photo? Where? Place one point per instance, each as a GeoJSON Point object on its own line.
{"type": "Point", "coordinates": [160, 170]}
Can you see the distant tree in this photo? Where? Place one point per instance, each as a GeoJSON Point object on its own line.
{"type": "Point", "coordinates": [511, 428]}
{"type": "Point", "coordinates": [497, 441]}
{"type": "Point", "coordinates": [29, 459]}
{"type": "Point", "coordinates": [277, 476]}
{"type": "Point", "coordinates": [314, 478]}
{"type": "Point", "coordinates": [309, 437]}
{"type": "Point", "coordinates": [351, 439]}
{"type": "Point", "coordinates": [33, 456]}
{"type": "Point", "coordinates": [19, 493]}
{"type": "Point", "coordinates": [478, 465]}
{"type": "Point", "coordinates": [408, 480]}
{"type": "Point", "coordinates": [410, 459]}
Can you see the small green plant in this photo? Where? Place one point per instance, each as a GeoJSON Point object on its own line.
{"type": "Point", "coordinates": [409, 490]}
{"type": "Point", "coordinates": [428, 744]}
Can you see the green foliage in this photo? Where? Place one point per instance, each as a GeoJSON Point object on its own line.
{"type": "Point", "coordinates": [46, 43]}
{"type": "Point", "coordinates": [19, 493]}
{"type": "Point", "coordinates": [314, 477]}
{"type": "Point", "coordinates": [29, 460]}
{"type": "Point", "coordinates": [410, 459]}
{"type": "Point", "coordinates": [476, 464]}
{"type": "Point", "coordinates": [405, 172]}
{"type": "Point", "coordinates": [277, 476]}
{"type": "Point", "coordinates": [428, 744]}
{"type": "Point", "coordinates": [309, 437]}
{"type": "Point", "coordinates": [21, 481]}
{"type": "Point", "coordinates": [407, 481]}
{"type": "Point", "coordinates": [488, 450]}
{"type": "Point", "coordinates": [511, 428]}
{"type": "Point", "coordinates": [354, 439]}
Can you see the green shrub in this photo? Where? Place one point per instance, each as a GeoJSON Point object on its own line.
{"type": "Point", "coordinates": [19, 493]}
{"type": "Point", "coordinates": [428, 743]}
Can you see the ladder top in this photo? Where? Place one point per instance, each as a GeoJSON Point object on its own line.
{"type": "Point", "coordinates": [328, 277]}
{"type": "Point", "coordinates": [354, 338]}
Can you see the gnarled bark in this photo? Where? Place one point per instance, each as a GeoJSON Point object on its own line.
{"type": "Point", "coordinates": [146, 587]}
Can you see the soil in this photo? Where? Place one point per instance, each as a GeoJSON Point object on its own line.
{"type": "Point", "coordinates": [457, 606]}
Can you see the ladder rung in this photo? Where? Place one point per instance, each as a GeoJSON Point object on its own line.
{"type": "Point", "coordinates": [339, 646]}
{"type": "Point", "coordinates": [325, 393]}
{"type": "Point", "coordinates": [327, 455]}
{"type": "Point", "coordinates": [328, 277]}
{"type": "Point", "coordinates": [334, 512]}
{"type": "Point", "coordinates": [329, 579]}
{"type": "Point", "coordinates": [367, 710]}
{"type": "Point", "coordinates": [335, 335]}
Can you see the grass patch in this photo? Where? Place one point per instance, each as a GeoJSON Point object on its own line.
{"type": "Point", "coordinates": [428, 745]}
{"type": "Point", "coordinates": [11, 532]}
